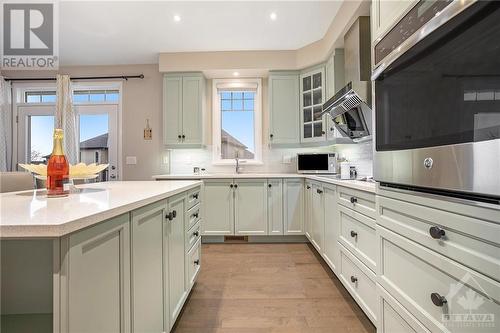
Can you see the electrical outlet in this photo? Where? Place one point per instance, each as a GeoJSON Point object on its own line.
{"type": "Point", "coordinates": [287, 159]}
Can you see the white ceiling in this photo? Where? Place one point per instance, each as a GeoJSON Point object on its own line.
{"type": "Point", "coordinates": [134, 32]}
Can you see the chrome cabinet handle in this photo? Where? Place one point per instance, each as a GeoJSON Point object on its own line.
{"type": "Point", "coordinates": [438, 300]}
{"type": "Point", "coordinates": [354, 279]}
{"type": "Point", "coordinates": [436, 232]}
{"type": "Point", "coordinates": [354, 199]}
{"type": "Point", "coordinates": [354, 234]}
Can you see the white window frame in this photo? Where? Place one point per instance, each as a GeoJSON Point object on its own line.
{"type": "Point", "coordinates": [235, 84]}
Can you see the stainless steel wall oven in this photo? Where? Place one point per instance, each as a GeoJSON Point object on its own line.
{"type": "Point", "coordinates": [437, 100]}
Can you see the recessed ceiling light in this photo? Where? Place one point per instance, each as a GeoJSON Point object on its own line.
{"type": "Point", "coordinates": [177, 18]}
{"type": "Point", "coordinates": [273, 16]}
{"type": "Point", "coordinates": [236, 74]}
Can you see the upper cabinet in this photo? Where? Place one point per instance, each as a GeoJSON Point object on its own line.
{"type": "Point", "coordinates": [183, 99]}
{"type": "Point", "coordinates": [284, 108]}
{"type": "Point", "coordinates": [385, 13]}
{"type": "Point", "coordinates": [312, 84]}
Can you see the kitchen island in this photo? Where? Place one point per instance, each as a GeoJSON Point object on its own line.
{"type": "Point", "coordinates": [114, 257]}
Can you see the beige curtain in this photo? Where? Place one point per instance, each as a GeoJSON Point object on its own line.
{"type": "Point", "coordinates": [5, 125]}
{"type": "Point", "coordinates": [66, 118]}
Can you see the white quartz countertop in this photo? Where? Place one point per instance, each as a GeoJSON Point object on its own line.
{"type": "Point", "coordinates": [356, 184]}
{"type": "Point", "coordinates": [29, 214]}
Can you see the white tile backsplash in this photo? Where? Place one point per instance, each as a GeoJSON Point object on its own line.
{"type": "Point", "coordinates": [282, 160]}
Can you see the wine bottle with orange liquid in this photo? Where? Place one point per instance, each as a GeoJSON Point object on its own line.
{"type": "Point", "coordinates": [57, 168]}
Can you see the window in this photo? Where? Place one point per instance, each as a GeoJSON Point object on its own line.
{"type": "Point", "coordinates": [40, 97]}
{"type": "Point", "coordinates": [41, 131]}
{"type": "Point", "coordinates": [96, 96]}
{"type": "Point", "coordinates": [237, 121]}
{"type": "Point", "coordinates": [79, 96]}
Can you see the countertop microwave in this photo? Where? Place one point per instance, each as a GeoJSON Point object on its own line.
{"type": "Point", "coordinates": [317, 163]}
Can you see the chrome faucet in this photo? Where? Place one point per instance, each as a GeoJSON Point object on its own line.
{"type": "Point", "coordinates": [237, 159]}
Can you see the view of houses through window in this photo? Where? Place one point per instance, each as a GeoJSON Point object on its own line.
{"type": "Point", "coordinates": [237, 124]}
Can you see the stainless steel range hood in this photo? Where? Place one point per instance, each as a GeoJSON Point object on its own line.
{"type": "Point", "coordinates": [350, 107]}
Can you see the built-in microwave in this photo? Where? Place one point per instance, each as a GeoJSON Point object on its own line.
{"type": "Point", "coordinates": [437, 100]}
{"type": "Point", "coordinates": [317, 163]}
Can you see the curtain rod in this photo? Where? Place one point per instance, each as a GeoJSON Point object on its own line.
{"type": "Point", "coordinates": [122, 77]}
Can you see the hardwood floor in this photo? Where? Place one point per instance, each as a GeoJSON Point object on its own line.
{"type": "Point", "coordinates": [268, 288]}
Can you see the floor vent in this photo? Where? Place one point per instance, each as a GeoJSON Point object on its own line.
{"type": "Point", "coordinates": [235, 239]}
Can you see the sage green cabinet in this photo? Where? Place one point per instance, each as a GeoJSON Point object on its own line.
{"type": "Point", "coordinates": [284, 108]}
{"type": "Point", "coordinates": [331, 252]}
{"type": "Point", "coordinates": [218, 211]}
{"type": "Point", "coordinates": [317, 216]}
{"type": "Point", "coordinates": [313, 127]}
{"type": "Point", "coordinates": [175, 233]}
{"type": "Point", "coordinates": [250, 206]}
{"type": "Point", "coordinates": [95, 278]}
{"type": "Point", "coordinates": [275, 206]}
{"type": "Point", "coordinates": [183, 98]}
{"type": "Point", "coordinates": [293, 196]}
{"type": "Point", "coordinates": [308, 209]}
{"type": "Point", "coordinates": [147, 243]}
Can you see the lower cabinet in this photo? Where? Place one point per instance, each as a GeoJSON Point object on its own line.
{"type": "Point", "coordinates": [308, 209]}
{"type": "Point", "coordinates": [331, 252]}
{"type": "Point", "coordinates": [293, 196]}
{"type": "Point", "coordinates": [147, 241]}
{"type": "Point", "coordinates": [250, 206]}
{"type": "Point", "coordinates": [318, 217]}
{"type": "Point", "coordinates": [175, 255]}
{"type": "Point", "coordinates": [131, 273]}
{"type": "Point", "coordinates": [218, 203]}
{"type": "Point", "coordinates": [275, 206]}
{"type": "Point", "coordinates": [95, 278]}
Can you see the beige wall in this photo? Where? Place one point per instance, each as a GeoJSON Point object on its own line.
{"type": "Point", "coordinates": [141, 100]}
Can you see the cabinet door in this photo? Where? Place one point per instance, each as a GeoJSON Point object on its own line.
{"type": "Point", "coordinates": [147, 267]}
{"type": "Point", "coordinates": [331, 251]}
{"type": "Point", "coordinates": [334, 81]}
{"type": "Point", "coordinates": [318, 217]}
{"type": "Point", "coordinates": [192, 99]}
{"type": "Point", "coordinates": [284, 109]}
{"type": "Point", "coordinates": [218, 202]}
{"type": "Point", "coordinates": [294, 206]}
{"type": "Point", "coordinates": [96, 278]}
{"type": "Point", "coordinates": [250, 207]}
{"type": "Point", "coordinates": [308, 210]}
{"type": "Point", "coordinates": [386, 13]}
{"type": "Point", "coordinates": [172, 110]}
{"type": "Point", "coordinates": [311, 105]}
{"type": "Point", "coordinates": [176, 256]}
{"type": "Point", "coordinates": [275, 206]}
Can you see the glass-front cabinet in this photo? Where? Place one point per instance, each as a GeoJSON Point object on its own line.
{"type": "Point", "coordinates": [312, 86]}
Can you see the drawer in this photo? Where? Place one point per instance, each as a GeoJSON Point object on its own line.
{"type": "Point", "coordinates": [452, 232]}
{"type": "Point", "coordinates": [360, 282]}
{"type": "Point", "coordinates": [394, 318]}
{"type": "Point", "coordinates": [193, 215]}
{"type": "Point", "coordinates": [194, 197]}
{"type": "Point", "coordinates": [360, 201]}
{"type": "Point", "coordinates": [192, 236]}
{"type": "Point", "coordinates": [442, 294]}
{"type": "Point", "coordinates": [357, 234]}
{"type": "Point", "coordinates": [193, 264]}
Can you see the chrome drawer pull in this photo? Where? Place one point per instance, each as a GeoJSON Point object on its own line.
{"type": "Point", "coordinates": [354, 279]}
{"type": "Point", "coordinates": [438, 300]}
{"type": "Point", "coordinates": [436, 232]}
{"type": "Point", "coordinates": [354, 234]}
{"type": "Point", "coordinates": [354, 200]}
